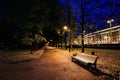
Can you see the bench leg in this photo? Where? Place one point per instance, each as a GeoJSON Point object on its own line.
{"type": "Point", "coordinates": [88, 66]}
{"type": "Point", "coordinates": [73, 60]}
{"type": "Point", "coordinates": [95, 66]}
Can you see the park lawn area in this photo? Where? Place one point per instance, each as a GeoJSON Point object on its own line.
{"type": "Point", "coordinates": [13, 56]}
{"type": "Point", "coordinates": [106, 51]}
{"type": "Point", "coordinates": [108, 61]}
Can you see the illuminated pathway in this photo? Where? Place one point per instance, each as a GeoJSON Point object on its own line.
{"type": "Point", "coordinates": [54, 64]}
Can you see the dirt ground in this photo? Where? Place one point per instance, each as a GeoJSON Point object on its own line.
{"type": "Point", "coordinates": [53, 64]}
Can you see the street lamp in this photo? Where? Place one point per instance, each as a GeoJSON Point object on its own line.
{"type": "Point", "coordinates": [110, 23]}
{"type": "Point", "coordinates": [65, 28]}
{"type": "Point", "coordinates": [69, 37]}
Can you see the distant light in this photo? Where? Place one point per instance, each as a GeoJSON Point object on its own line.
{"type": "Point", "coordinates": [105, 37]}
{"type": "Point", "coordinates": [111, 20]}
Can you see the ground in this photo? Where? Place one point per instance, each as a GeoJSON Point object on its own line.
{"type": "Point", "coordinates": [53, 64]}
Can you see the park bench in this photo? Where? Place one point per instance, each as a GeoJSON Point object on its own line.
{"type": "Point", "coordinates": [86, 59]}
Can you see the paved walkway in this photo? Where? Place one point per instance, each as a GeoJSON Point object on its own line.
{"type": "Point", "coordinates": [54, 64]}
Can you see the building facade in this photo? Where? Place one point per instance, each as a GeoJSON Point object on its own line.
{"type": "Point", "coordinates": [106, 36]}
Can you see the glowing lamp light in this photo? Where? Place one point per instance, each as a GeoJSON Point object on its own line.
{"type": "Point", "coordinates": [109, 21]}
{"type": "Point", "coordinates": [65, 27]}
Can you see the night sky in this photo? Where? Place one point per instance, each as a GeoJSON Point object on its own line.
{"type": "Point", "coordinates": [97, 12]}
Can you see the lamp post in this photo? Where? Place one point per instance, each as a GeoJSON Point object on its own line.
{"type": "Point", "coordinates": [65, 28]}
{"type": "Point", "coordinates": [69, 24]}
{"type": "Point", "coordinates": [110, 23]}
{"type": "Point", "coordinates": [69, 37]}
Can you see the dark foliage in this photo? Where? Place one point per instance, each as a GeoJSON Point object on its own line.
{"type": "Point", "coordinates": [26, 18]}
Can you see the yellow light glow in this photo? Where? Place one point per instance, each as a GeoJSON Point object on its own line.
{"type": "Point", "coordinates": [109, 21]}
{"type": "Point", "coordinates": [105, 37]}
{"type": "Point", "coordinates": [65, 27]}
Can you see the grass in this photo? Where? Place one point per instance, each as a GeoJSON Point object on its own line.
{"type": "Point", "coordinates": [99, 50]}
{"type": "Point", "coordinates": [13, 56]}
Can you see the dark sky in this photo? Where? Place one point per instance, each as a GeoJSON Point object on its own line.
{"type": "Point", "coordinates": [97, 12]}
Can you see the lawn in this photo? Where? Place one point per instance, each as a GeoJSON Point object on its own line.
{"type": "Point", "coordinates": [14, 56]}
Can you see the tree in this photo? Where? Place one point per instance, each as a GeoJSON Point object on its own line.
{"type": "Point", "coordinates": [29, 17]}
{"type": "Point", "coordinates": [51, 34]}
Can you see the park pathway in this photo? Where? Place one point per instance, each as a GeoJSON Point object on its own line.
{"type": "Point", "coordinates": [53, 64]}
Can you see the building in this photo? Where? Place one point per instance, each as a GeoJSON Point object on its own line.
{"type": "Point", "coordinates": [106, 36]}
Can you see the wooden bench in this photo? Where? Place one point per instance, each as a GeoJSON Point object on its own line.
{"type": "Point", "coordinates": [86, 59]}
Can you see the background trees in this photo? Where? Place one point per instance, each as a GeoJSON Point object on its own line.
{"type": "Point", "coordinates": [91, 15]}
{"type": "Point", "coordinates": [28, 20]}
